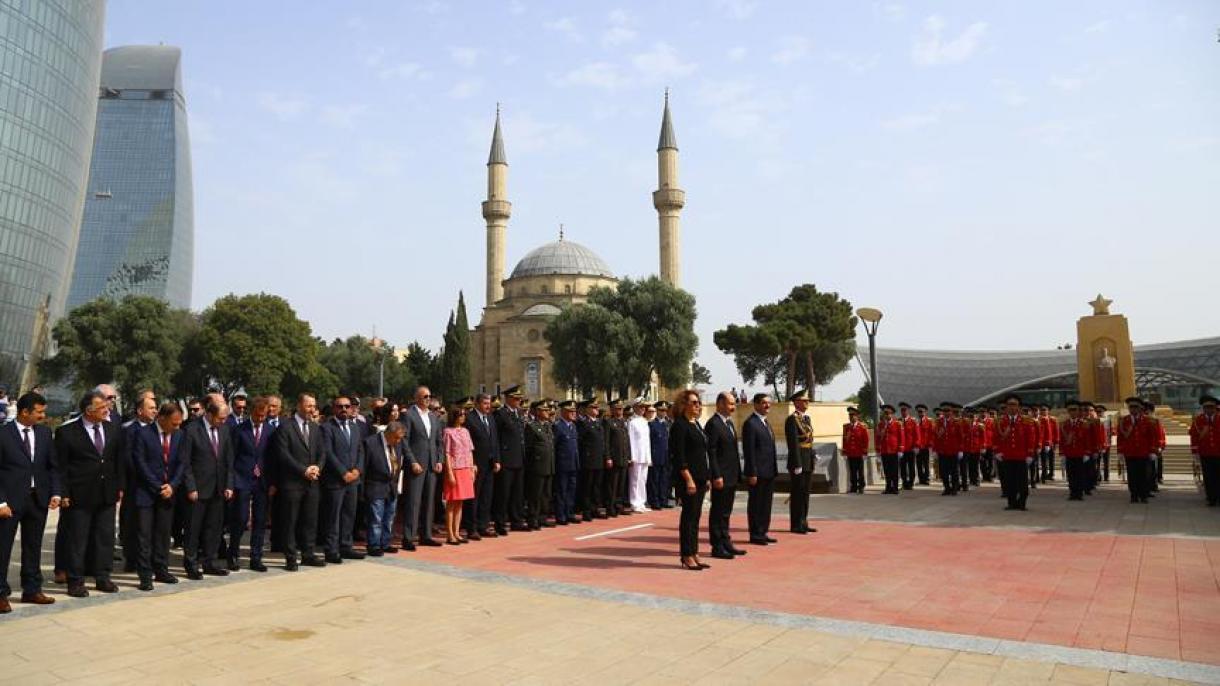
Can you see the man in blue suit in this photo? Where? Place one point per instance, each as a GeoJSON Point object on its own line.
{"type": "Point", "coordinates": [659, 483]}
{"type": "Point", "coordinates": [158, 475]}
{"type": "Point", "coordinates": [567, 464]}
{"type": "Point", "coordinates": [344, 438]}
{"type": "Point", "coordinates": [29, 485]}
{"type": "Point", "coordinates": [476, 512]}
{"type": "Point", "coordinates": [759, 469]}
{"type": "Point", "coordinates": [251, 485]}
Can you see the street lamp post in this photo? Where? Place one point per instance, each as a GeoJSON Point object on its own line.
{"type": "Point", "coordinates": [871, 318]}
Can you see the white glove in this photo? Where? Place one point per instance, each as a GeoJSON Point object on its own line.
{"type": "Point", "coordinates": [1152, 457]}
{"type": "Point", "coordinates": [797, 471]}
{"type": "Point", "coordinates": [999, 457]}
{"type": "Point", "coordinates": [1087, 458]}
{"type": "Point", "coordinates": [1029, 460]}
{"type": "Point", "coordinates": [960, 455]}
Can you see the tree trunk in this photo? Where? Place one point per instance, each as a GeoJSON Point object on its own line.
{"type": "Point", "coordinates": [790, 386]}
{"type": "Point", "coordinates": [809, 378]}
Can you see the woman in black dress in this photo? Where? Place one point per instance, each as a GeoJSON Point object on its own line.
{"type": "Point", "coordinates": [688, 458]}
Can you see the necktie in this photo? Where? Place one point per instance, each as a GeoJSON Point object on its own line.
{"type": "Point", "coordinates": [257, 430]}
{"type": "Point", "coordinates": [347, 433]}
{"type": "Point", "coordinates": [305, 432]}
{"type": "Point", "coordinates": [393, 460]}
{"type": "Point", "coordinates": [165, 454]}
{"type": "Point", "coordinates": [732, 431]}
{"type": "Point", "coordinates": [29, 447]}
{"type": "Point", "coordinates": [98, 443]}
{"type": "Point", "coordinates": [485, 424]}
{"type": "Point", "coordinates": [215, 444]}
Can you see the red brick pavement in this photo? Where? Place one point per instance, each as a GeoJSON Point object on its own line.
{"type": "Point", "coordinates": [1154, 596]}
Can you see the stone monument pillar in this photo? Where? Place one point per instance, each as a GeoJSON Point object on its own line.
{"type": "Point", "coordinates": [1105, 357]}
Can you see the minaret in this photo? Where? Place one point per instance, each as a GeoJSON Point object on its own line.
{"type": "Point", "coordinates": [668, 199]}
{"type": "Point", "coordinates": [496, 210]}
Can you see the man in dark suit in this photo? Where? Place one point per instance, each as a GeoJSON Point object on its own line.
{"type": "Point", "coordinates": [252, 480]}
{"type": "Point", "coordinates": [567, 463]}
{"type": "Point", "coordinates": [29, 485]}
{"type": "Point", "coordinates": [207, 451]}
{"type": "Point", "coordinates": [509, 508]}
{"type": "Point", "coordinates": [618, 450]}
{"type": "Point", "coordinates": [341, 479]}
{"type": "Point", "coordinates": [759, 470]}
{"type": "Point", "coordinates": [660, 483]}
{"type": "Point", "coordinates": [300, 450]}
{"type": "Point", "coordinates": [158, 473]}
{"type": "Point", "coordinates": [89, 452]}
{"type": "Point", "coordinates": [382, 476]}
{"type": "Point", "coordinates": [593, 459]}
{"type": "Point", "coordinates": [129, 524]}
{"type": "Point", "coordinates": [724, 462]}
{"type": "Point", "coordinates": [476, 512]}
{"type": "Point", "coordinates": [422, 459]}
{"type": "Point", "coordinates": [798, 433]}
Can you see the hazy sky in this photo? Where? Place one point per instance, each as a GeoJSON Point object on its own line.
{"type": "Point", "coordinates": [978, 171]}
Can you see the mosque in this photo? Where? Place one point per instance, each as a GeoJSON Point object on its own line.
{"type": "Point", "coordinates": [507, 346]}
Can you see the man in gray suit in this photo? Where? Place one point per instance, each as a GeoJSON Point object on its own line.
{"type": "Point", "coordinates": [423, 461]}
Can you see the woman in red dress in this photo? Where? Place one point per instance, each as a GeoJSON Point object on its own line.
{"type": "Point", "coordinates": [459, 470]}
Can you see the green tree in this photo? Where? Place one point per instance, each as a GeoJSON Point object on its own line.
{"type": "Point", "coordinates": [257, 342]}
{"type": "Point", "coordinates": [133, 343]}
{"type": "Point", "coordinates": [700, 374]}
{"type": "Point", "coordinates": [356, 367]}
{"type": "Point", "coordinates": [424, 366]}
{"type": "Point", "coordinates": [595, 348]}
{"type": "Point", "coordinates": [865, 402]}
{"type": "Point", "coordinates": [456, 356]}
{"type": "Point", "coordinates": [807, 337]}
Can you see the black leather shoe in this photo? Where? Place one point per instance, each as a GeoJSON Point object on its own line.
{"type": "Point", "coordinates": [291, 566]}
{"type": "Point", "coordinates": [375, 552]}
{"type": "Point", "coordinates": [430, 542]}
{"type": "Point", "coordinates": [501, 532]}
{"type": "Point", "coordinates": [519, 527]}
{"type": "Point", "coordinates": [257, 566]}
{"type": "Point", "coordinates": [333, 559]}
{"type": "Point", "coordinates": [768, 539]}
{"type": "Point", "coordinates": [78, 591]}
{"type": "Point", "coordinates": [474, 536]}
{"type": "Point", "coordinates": [232, 565]}
{"type": "Point", "coordinates": [737, 551]}
{"type": "Point", "coordinates": [215, 571]}
{"type": "Point", "coordinates": [351, 555]}
{"type": "Point", "coordinates": [145, 585]}
{"type": "Point", "coordinates": [165, 578]}
{"type": "Point", "coordinates": [106, 586]}
{"type": "Point", "coordinates": [722, 555]}
{"type": "Point", "coordinates": [390, 550]}
{"type": "Point", "coordinates": [758, 541]}
{"type": "Point", "coordinates": [409, 547]}
{"type": "Point", "coordinates": [313, 562]}
{"type": "Point", "coordinates": [194, 574]}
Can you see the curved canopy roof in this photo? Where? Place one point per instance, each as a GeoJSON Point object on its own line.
{"type": "Point", "coordinates": [142, 67]}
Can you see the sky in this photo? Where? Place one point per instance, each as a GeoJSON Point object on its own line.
{"type": "Point", "coordinates": [978, 171]}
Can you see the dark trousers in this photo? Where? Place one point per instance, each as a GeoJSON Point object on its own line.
{"type": "Point", "coordinates": [657, 486]}
{"type": "Point", "coordinates": [61, 542]}
{"type": "Point", "coordinates": [1003, 475]}
{"type": "Point", "coordinates": [476, 512]}
{"type": "Point", "coordinates": [688, 522]}
{"type": "Point", "coordinates": [1154, 473]}
{"type": "Point", "coordinates": [416, 505]}
{"type": "Point", "coordinates": [299, 512]}
{"type": "Point", "coordinates": [1210, 466]}
{"type": "Point", "coordinates": [718, 518]}
{"type": "Point", "coordinates": [129, 529]}
{"type": "Point", "coordinates": [889, 467]}
{"type": "Point", "coordinates": [1138, 478]}
{"type": "Point", "coordinates": [906, 469]}
{"type": "Point", "coordinates": [153, 524]}
{"type": "Point", "coordinates": [1105, 464]}
{"type": "Point", "coordinates": [1017, 482]}
{"type": "Point", "coordinates": [90, 528]}
{"type": "Point", "coordinates": [508, 505]}
{"type": "Point", "coordinates": [1034, 472]}
{"type": "Point", "coordinates": [32, 522]}
{"type": "Point", "coordinates": [565, 496]}
{"type": "Point", "coordinates": [203, 531]}
{"type": "Point", "coordinates": [538, 489]}
{"type": "Point", "coordinates": [963, 472]}
{"type": "Point", "coordinates": [855, 473]}
{"type": "Point", "coordinates": [798, 503]}
{"type": "Point", "coordinates": [923, 466]}
{"type": "Point", "coordinates": [1077, 479]}
{"type": "Point", "coordinates": [987, 465]}
{"type": "Point", "coordinates": [248, 507]}
{"type": "Point", "coordinates": [1048, 464]}
{"type": "Point", "coordinates": [972, 468]}
{"type": "Point", "coordinates": [947, 466]}
{"type": "Point", "coordinates": [758, 507]}
{"type": "Point", "coordinates": [611, 481]}
{"type": "Point", "coordinates": [590, 491]}
{"type": "Point", "coordinates": [340, 518]}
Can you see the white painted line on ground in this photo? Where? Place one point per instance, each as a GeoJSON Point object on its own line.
{"type": "Point", "coordinates": [613, 531]}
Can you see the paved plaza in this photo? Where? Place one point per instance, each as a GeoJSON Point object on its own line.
{"type": "Point", "coordinates": [915, 588]}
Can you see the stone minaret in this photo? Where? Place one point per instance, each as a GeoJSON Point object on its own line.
{"type": "Point", "coordinates": [496, 210]}
{"type": "Point", "coordinates": [668, 199]}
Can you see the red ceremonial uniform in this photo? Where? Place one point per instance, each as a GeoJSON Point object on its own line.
{"type": "Point", "coordinates": [1016, 437]}
{"type": "Point", "coordinates": [947, 436]}
{"type": "Point", "coordinates": [1078, 437]}
{"type": "Point", "coordinates": [1137, 440]}
{"type": "Point", "coordinates": [855, 439]}
{"type": "Point", "coordinates": [1050, 431]}
{"type": "Point", "coordinates": [1205, 435]}
{"type": "Point", "coordinates": [989, 434]}
{"type": "Point", "coordinates": [976, 437]}
{"type": "Point", "coordinates": [910, 434]}
{"type": "Point", "coordinates": [927, 430]}
{"type": "Point", "coordinates": [1160, 432]}
{"type": "Point", "coordinates": [1101, 438]}
{"type": "Point", "coordinates": [889, 438]}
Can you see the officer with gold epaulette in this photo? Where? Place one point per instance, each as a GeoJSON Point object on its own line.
{"type": "Point", "coordinates": [539, 464]}
{"type": "Point", "coordinates": [798, 431]}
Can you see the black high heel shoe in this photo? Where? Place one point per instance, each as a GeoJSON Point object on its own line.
{"type": "Point", "coordinates": [691, 565]}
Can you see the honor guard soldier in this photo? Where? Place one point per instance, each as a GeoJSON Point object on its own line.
{"type": "Point", "coordinates": [1050, 441]}
{"type": "Point", "coordinates": [1103, 462]}
{"type": "Point", "coordinates": [888, 442]}
{"type": "Point", "coordinates": [1205, 444]}
{"type": "Point", "coordinates": [1158, 464]}
{"type": "Point", "coordinates": [567, 463]}
{"type": "Point", "coordinates": [1031, 414]}
{"type": "Point", "coordinates": [594, 460]}
{"type": "Point", "coordinates": [539, 464]}
{"type": "Point", "coordinates": [947, 443]}
{"type": "Point", "coordinates": [975, 433]}
{"type": "Point", "coordinates": [1016, 440]}
{"type": "Point", "coordinates": [910, 432]}
{"type": "Point", "coordinates": [855, 447]}
{"type": "Point", "coordinates": [987, 465]}
{"type": "Point", "coordinates": [798, 431]}
{"type": "Point", "coordinates": [1077, 443]}
{"type": "Point", "coordinates": [927, 430]}
{"type": "Point", "coordinates": [1138, 441]}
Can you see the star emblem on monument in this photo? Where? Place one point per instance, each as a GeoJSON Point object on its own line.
{"type": "Point", "coordinates": [1101, 305]}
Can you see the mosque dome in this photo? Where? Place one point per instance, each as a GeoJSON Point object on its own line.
{"type": "Point", "coordinates": [561, 257]}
